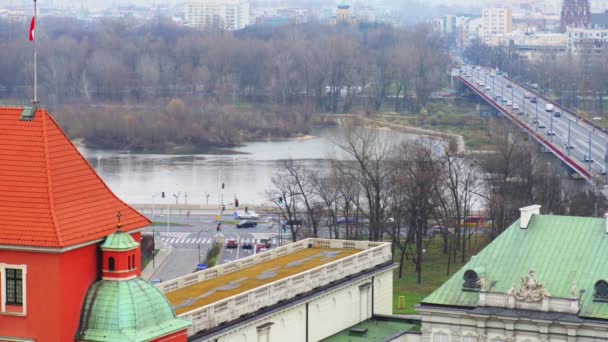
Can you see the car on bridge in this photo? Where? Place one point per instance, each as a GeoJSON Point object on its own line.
{"type": "Point", "coordinates": [533, 100]}
{"type": "Point", "coordinates": [588, 159]}
{"type": "Point", "coordinates": [548, 108]}
{"type": "Point", "coordinates": [515, 106]}
{"type": "Point", "coordinates": [527, 95]}
{"type": "Point", "coordinates": [551, 133]}
{"type": "Point", "coordinates": [488, 88]}
{"type": "Point", "coordinates": [557, 114]}
{"type": "Point", "coordinates": [504, 99]}
{"type": "Point", "coordinates": [541, 125]}
{"type": "Point", "coordinates": [509, 85]}
{"type": "Point", "coordinates": [508, 103]}
{"type": "Point", "coordinates": [497, 98]}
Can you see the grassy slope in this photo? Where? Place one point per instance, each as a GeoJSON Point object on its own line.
{"type": "Point", "coordinates": [433, 274]}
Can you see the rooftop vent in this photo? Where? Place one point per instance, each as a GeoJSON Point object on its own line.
{"type": "Point", "coordinates": [526, 215]}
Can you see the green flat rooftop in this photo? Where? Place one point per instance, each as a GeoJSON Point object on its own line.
{"type": "Point", "coordinates": [378, 330]}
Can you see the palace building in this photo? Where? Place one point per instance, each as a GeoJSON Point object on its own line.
{"type": "Point", "coordinates": [69, 248]}
{"type": "Point", "coordinates": [545, 278]}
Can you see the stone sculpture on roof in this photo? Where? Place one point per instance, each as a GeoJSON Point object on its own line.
{"type": "Point", "coordinates": [531, 289]}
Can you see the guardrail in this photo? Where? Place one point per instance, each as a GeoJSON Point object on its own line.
{"type": "Point", "coordinates": [573, 164]}
{"type": "Point", "coordinates": [231, 308]}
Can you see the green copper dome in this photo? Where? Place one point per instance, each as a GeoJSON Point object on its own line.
{"type": "Point", "coordinates": [125, 311]}
{"type": "Point", "coordinates": [119, 241]}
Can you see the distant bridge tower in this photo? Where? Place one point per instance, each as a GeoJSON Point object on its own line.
{"type": "Point", "coordinates": [575, 13]}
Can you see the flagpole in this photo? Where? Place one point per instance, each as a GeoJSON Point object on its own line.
{"type": "Point", "coordinates": [35, 101]}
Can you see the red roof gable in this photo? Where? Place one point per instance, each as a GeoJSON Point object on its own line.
{"type": "Point", "coordinates": [49, 194]}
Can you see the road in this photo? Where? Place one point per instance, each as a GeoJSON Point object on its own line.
{"type": "Point", "coordinates": [562, 132]}
{"type": "Point", "coordinates": [190, 234]}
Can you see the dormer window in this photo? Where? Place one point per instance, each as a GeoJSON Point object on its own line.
{"type": "Point", "coordinates": [471, 281]}
{"type": "Point", "coordinates": [601, 292]}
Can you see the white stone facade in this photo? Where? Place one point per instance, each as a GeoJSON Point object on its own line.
{"type": "Point", "coordinates": [461, 325]}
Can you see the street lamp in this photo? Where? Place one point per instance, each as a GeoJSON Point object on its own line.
{"type": "Point", "coordinates": [537, 115]}
{"type": "Point", "coordinates": [199, 246]}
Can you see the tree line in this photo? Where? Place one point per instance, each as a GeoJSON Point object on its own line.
{"type": "Point", "coordinates": [415, 191]}
{"type": "Point", "coordinates": [117, 72]}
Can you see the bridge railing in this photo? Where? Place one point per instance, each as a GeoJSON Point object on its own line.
{"type": "Point", "coordinates": [231, 308]}
{"type": "Point", "coordinates": [561, 155]}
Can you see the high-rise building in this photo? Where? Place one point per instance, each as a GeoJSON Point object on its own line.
{"type": "Point", "coordinates": [220, 14]}
{"type": "Point", "coordinates": [575, 13]}
{"type": "Point", "coordinates": [496, 21]}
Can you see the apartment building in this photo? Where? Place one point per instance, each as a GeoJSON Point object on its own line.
{"type": "Point", "coordinates": [220, 14]}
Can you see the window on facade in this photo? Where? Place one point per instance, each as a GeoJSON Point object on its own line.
{"type": "Point", "coordinates": [601, 292]}
{"type": "Point", "coordinates": [471, 281]}
{"type": "Point", "coordinates": [111, 265]}
{"type": "Point", "coordinates": [440, 337]}
{"type": "Point", "coordinates": [14, 286]}
{"type": "Point", "coordinates": [469, 338]}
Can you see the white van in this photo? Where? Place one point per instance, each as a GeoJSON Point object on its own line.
{"type": "Point", "coordinates": [549, 108]}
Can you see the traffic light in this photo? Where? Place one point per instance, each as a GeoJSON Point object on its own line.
{"type": "Point", "coordinates": [281, 200]}
{"type": "Point", "coordinates": [236, 203]}
{"type": "Point", "coordinates": [162, 194]}
{"type": "Point", "coordinates": [223, 185]}
{"type": "Point", "coordinates": [223, 208]}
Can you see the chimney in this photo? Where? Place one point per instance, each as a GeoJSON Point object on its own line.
{"type": "Point", "coordinates": [526, 215]}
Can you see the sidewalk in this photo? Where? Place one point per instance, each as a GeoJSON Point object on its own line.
{"type": "Point", "coordinates": [164, 251]}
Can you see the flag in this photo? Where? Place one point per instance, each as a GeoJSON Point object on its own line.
{"type": "Point", "coordinates": [32, 28]}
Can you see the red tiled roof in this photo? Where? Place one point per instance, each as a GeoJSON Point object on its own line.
{"type": "Point", "coordinates": [49, 194]}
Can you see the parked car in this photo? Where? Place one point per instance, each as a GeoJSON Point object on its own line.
{"type": "Point", "coordinates": [265, 242]}
{"type": "Point", "coordinates": [261, 248]}
{"type": "Point", "coordinates": [246, 224]}
{"type": "Point", "coordinates": [249, 215]}
{"type": "Point", "coordinates": [345, 220]}
{"type": "Point", "coordinates": [232, 243]}
{"type": "Point", "coordinates": [247, 244]}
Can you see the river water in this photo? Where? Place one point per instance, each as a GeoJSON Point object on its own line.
{"type": "Point", "coordinates": [140, 178]}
